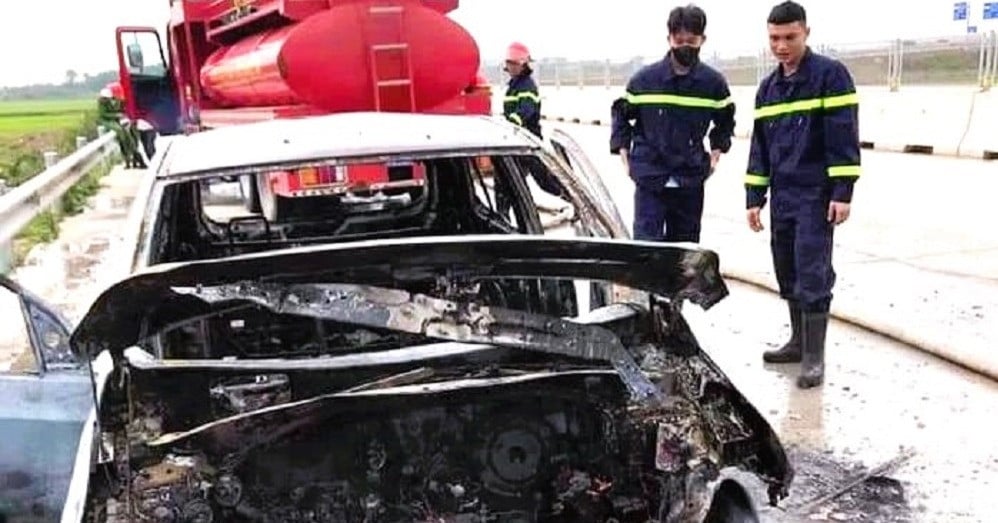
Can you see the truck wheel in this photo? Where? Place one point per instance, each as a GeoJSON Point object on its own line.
{"type": "Point", "coordinates": [731, 504]}
{"type": "Point", "coordinates": [273, 207]}
{"type": "Point", "coordinates": [250, 193]}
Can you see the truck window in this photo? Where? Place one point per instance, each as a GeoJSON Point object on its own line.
{"type": "Point", "coordinates": [143, 55]}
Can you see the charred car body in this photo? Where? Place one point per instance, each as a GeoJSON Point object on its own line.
{"type": "Point", "coordinates": [449, 370]}
{"type": "Point", "coordinates": [428, 400]}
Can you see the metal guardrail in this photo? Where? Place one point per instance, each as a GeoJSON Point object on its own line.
{"type": "Point", "coordinates": [19, 205]}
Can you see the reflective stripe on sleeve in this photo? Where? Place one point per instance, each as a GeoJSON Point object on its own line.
{"type": "Point", "coordinates": [812, 104]}
{"type": "Point", "coordinates": [843, 170]}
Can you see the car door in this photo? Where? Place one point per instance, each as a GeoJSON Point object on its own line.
{"type": "Point", "coordinates": [610, 222]}
{"type": "Point", "coordinates": [46, 399]}
{"type": "Point", "coordinates": [578, 162]}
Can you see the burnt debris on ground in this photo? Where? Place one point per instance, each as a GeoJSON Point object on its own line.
{"type": "Point", "coordinates": [827, 488]}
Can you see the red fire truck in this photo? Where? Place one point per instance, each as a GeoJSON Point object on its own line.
{"type": "Point", "coordinates": [241, 61]}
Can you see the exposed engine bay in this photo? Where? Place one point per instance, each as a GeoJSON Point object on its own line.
{"type": "Point", "coordinates": [521, 442]}
{"type": "Point", "coordinates": [456, 411]}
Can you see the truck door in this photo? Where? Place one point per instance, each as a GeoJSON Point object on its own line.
{"type": "Point", "coordinates": [144, 74]}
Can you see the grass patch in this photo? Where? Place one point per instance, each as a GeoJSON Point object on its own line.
{"type": "Point", "coordinates": [44, 228]}
{"type": "Point", "coordinates": [27, 130]}
{"type": "Point", "coordinates": [18, 118]}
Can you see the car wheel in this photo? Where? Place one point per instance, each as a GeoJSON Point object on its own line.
{"type": "Point", "coordinates": [731, 504]}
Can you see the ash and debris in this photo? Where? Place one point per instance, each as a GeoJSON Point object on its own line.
{"type": "Point", "coordinates": [878, 498]}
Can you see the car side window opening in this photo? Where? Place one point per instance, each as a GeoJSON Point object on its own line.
{"type": "Point", "coordinates": [17, 356]}
{"type": "Point", "coordinates": [495, 192]}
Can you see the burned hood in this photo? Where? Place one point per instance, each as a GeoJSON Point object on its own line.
{"type": "Point", "coordinates": [120, 316]}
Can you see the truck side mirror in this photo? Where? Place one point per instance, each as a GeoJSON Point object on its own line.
{"type": "Point", "coordinates": [135, 55]}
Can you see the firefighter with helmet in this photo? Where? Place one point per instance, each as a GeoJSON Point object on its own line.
{"type": "Point", "coordinates": [522, 104]}
{"type": "Point", "coordinates": [110, 113]}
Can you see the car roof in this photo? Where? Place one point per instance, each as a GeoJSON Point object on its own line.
{"type": "Point", "coordinates": [339, 135]}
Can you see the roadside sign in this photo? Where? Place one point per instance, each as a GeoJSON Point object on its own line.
{"type": "Point", "coordinates": [971, 29]}
{"type": "Point", "coordinates": [990, 11]}
{"type": "Point", "coordinates": [961, 11]}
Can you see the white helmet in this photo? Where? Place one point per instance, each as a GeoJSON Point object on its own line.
{"type": "Point", "coordinates": [105, 93]}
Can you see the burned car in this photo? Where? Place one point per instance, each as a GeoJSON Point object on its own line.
{"type": "Point", "coordinates": [419, 355]}
{"type": "Point", "coordinates": [417, 390]}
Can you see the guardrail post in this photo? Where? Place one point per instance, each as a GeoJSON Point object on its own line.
{"type": "Point", "coordinates": [557, 76]}
{"type": "Point", "coordinates": [994, 57]}
{"type": "Point", "coordinates": [6, 247]}
{"type": "Point", "coordinates": [895, 63]}
{"type": "Point", "coordinates": [982, 61]}
{"type": "Point", "coordinates": [582, 75]}
{"type": "Point", "coordinates": [606, 74]}
{"type": "Point", "coordinates": [51, 157]}
{"type": "Point", "coordinates": [900, 71]}
{"type": "Point", "coordinates": [81, 141]}
{"type": "Point", "coordinates": [989, 60]}
{"type": "Point", "coordinates": [101, 130]}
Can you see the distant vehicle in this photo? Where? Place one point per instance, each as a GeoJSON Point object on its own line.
{"type": "Point", "coordinates": [232, 63]}
{"type": "Point", "coordinates": [469, 365]}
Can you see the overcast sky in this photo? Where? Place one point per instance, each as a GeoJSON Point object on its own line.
{"type": "Point", "coordinates": [41, 39]}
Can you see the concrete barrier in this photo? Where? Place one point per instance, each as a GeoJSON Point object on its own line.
{"type": "Point", "coordinates": [944, 120]}
{"type": "Point", "coordinates": [981, 138]}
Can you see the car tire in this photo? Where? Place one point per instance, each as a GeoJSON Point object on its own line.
{"type": "Point", "coordinates": [731, 504]}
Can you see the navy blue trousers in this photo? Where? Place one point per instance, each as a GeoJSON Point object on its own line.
{"type": "Point", "coordinates": [801, 242]}
{"type": "Point", "coordinates": [670, 214]}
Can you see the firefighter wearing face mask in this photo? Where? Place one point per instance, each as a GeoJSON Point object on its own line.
{"type": "Point", "coordinates": [659, 127]}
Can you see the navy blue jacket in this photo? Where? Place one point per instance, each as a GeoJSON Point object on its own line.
{"type": "Point", "coordinates": [671, 114]}
{"type": "Point", "coordinates": [806, 131]}
{"type": "Point", "coordinates": [522, 104]}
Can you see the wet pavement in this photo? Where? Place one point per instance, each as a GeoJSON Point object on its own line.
{"type": "Point", "coordinates": [880, 399]}
{"type": "Point", "coordinates": [918, 258]}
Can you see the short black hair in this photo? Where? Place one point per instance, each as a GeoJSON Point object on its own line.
{"type": "Point", "coordinates": [787, 13]}
{"type": "Point", "coordinates": [689, 18]}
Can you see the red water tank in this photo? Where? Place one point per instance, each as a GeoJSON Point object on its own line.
{"type": "Point", "coordinates": [326, 60]}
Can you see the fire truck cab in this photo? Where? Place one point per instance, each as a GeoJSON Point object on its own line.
{"type": "Point", "coordinates": [232, 62]}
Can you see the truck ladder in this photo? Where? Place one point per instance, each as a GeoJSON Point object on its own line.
{"type": "Point", "coordinates": [391, 64]}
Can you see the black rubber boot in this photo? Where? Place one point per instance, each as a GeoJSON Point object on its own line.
{"type": "Point", "coordinates": [814, 326]}
{"type": "Point", "coordinates": [791, 352]}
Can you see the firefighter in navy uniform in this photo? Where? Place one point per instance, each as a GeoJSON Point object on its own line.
{"type": "Point", "coordinates": [805, 151]}
{"type": "Point", "coordinates": [672, 103]}
{"type": "Point", "coordinates": [522, 106]}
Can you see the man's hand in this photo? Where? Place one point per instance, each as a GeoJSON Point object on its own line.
{"type": "Point", "coordinates": [838, 212]}
{"type": "Point", "coordinates": [715, 156]}
{"type": "Point", "coordinates": [754, 219]}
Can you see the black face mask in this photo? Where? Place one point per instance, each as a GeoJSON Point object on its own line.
{"type": "Point", "coordinates": [686, 55]}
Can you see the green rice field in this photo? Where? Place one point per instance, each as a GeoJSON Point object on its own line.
{"type": "Point", "coordinates": [27, 129]}
{"type": "Point", "coordinates": [25, 117]}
